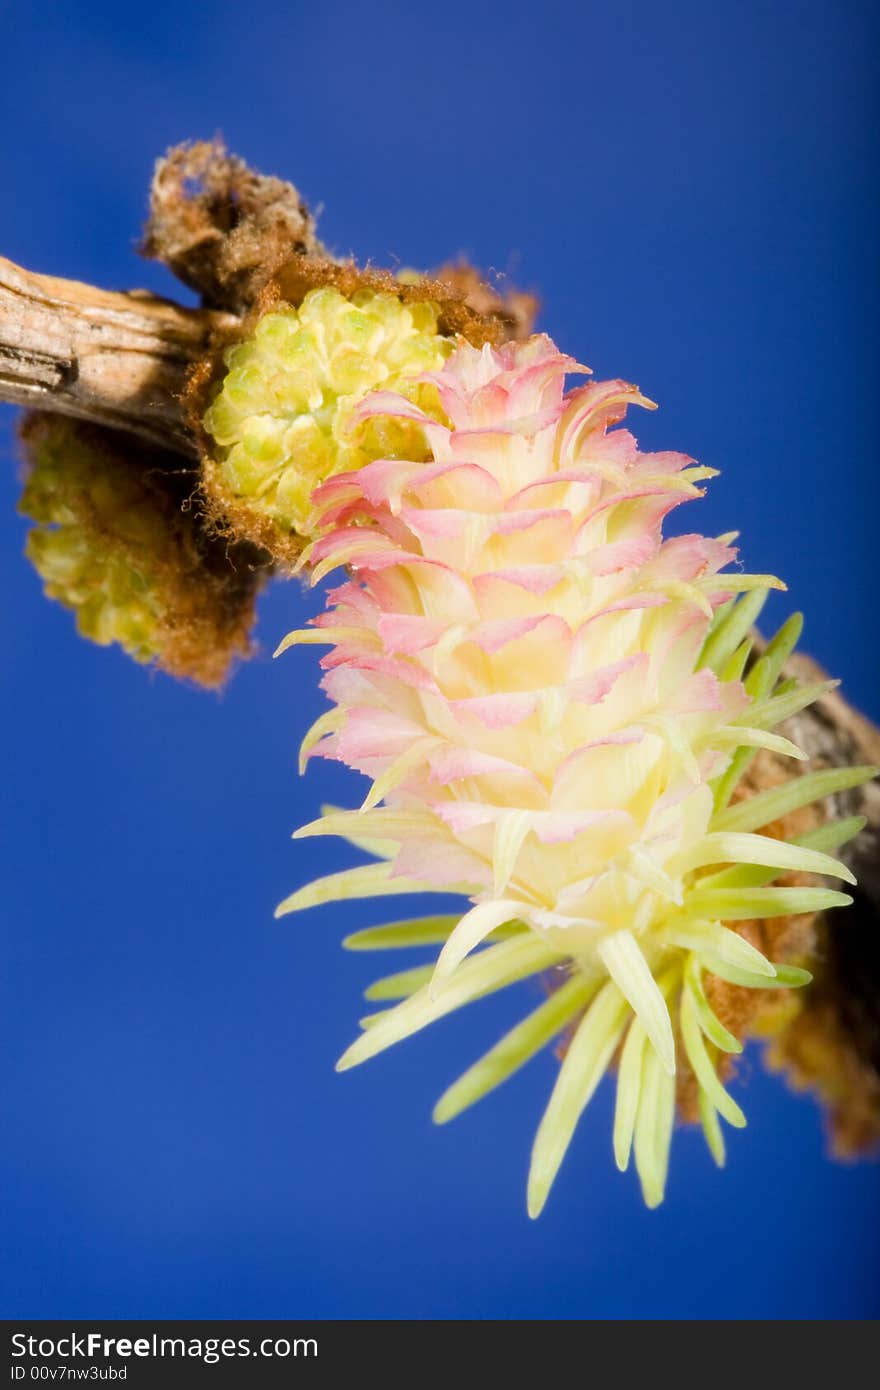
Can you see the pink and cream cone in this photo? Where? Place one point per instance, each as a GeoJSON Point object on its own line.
{"type": "Point", "coordinates": [548, 698]}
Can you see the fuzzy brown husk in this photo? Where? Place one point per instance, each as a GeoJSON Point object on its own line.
{"type": "Point", "coordinates": [830, 1043]}
{"type": "Point", "coordinates": [222, 228]}
{"type": "Point", "coordinates": [828, 1040]}
{"type": "Point", "coordinates": [516, 310]}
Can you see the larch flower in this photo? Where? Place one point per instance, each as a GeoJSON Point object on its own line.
{"type": "Point", "coordinates": [116, 543]}
{"type": "Point", "coordinates": [555, 706]}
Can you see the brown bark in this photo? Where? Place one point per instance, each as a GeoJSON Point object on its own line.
{"type": "Point", "coordinates": [118, 360]}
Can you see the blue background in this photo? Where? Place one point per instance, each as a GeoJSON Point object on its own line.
{"type": "Point", "coordinates": [691, 189]}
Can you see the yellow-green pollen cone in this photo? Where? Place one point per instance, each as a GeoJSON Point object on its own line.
{"type": "Point", "coordinates": [116, 543]}
{"type": "Point", "coordinates": [92, 524]}
{"type": "Point", "coordinates": [555, 705]}
{"type": "Point", "coordinates": [281, 420]}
